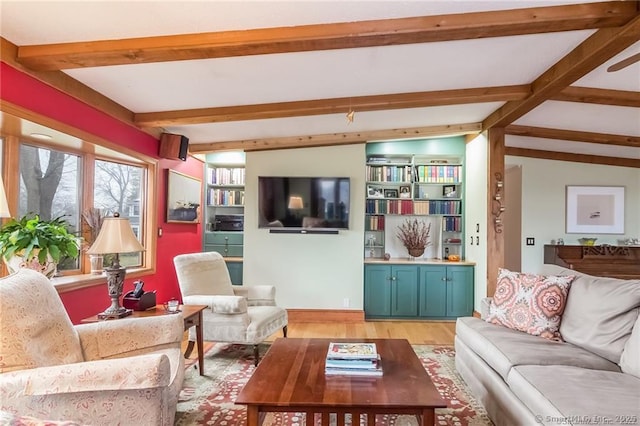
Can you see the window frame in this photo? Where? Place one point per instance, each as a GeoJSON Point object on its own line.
{"type": "Point", "coordinates": [149, 191]}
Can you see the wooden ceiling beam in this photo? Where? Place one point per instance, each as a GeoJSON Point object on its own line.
{"type": "Point", "coordinates": [345, 35]}
{"type": "Point", "coordinates": [572, 135]}
{"type": "Point", "coordinates": [591, 53]}
{"type": "Point", "coordinates": [332, 106]}
{"type": "Point", "coordinates": [592, 95]}
{"type": "Point", "coordinates": [334, 138]}
{"type": "Point", "coordinates": [573, 157]}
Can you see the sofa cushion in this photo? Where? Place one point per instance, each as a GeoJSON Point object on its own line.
{"type": "Point", "coordinates": [600, 314]}
{"type": "Point", "coordinates": [530, 303]}
{"type": "Point", "coordinates": [502, 348]}
{"type": "Point", "coordinates": [630, 358]}
{"type": "Point", "coordinates": [559, 393]}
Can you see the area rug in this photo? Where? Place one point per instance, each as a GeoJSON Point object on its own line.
{"type": "Point", "coordinates": [208, 400]}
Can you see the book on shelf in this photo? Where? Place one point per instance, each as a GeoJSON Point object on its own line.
{"type": "Point", "coordinates": [362, 351]}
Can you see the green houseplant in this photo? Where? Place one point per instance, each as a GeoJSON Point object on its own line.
{"type": "Point", "coordinates": [36, 243]}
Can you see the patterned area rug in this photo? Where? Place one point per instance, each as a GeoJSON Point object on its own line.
{"type": "Point", "coordinates": [208, 400]}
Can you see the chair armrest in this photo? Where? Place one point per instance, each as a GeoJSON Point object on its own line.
{"type": "Point", "coordinates": [107, 339]}
{"type": "Point", "coordinates": [257, 295]}
{"type": "Point", "coordinates": [485, 305]}
{"type": "Point", "coordinates": [220, 304]}
{"type": "Point", "coordinates": [132, 373]}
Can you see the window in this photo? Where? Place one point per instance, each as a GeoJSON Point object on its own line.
{"type": "Point", "coordinates": [66, 176]}
{"type": "Point", "coordinates": [117, 188]}
{"type": "Point", "coordinates": [50, 187]}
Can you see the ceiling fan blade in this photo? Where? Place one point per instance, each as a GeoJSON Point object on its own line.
{"type": "Point", "coordinates": [624, 63]}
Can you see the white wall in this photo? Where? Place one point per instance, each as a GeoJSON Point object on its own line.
{"type": "Point", "coordinates": [476, 213]}
{"type": "Point", "coordinates": [543, 202]}
{"type": "Point", "coordinates": [310, 271]}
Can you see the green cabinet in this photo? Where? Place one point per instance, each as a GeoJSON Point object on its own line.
{"type": "Point", "coordinates": [227, 243]}
{"type": "Point", "coordinates": [445, 291]}
{"type": "Point", "coordinates": [390, 291]}
{"type": "Point", "coordinates": [235, 272]}
{"type": "Point", "coordinates": [418, 291]}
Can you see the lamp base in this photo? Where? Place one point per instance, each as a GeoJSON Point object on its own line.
{"type": "Point", "coordinates": [115, 315]}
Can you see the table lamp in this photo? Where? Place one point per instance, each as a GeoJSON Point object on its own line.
{"type": "Point", "coordinates": [115, 237]}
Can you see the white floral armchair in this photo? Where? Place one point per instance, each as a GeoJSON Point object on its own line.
{"type": "Point", "coordinates": [120, 372]}
{"type": "Point", "coordinates": [237, 314]}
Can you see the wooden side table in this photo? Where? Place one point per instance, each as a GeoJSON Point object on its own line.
{"type": "Point", "coordinates": [192, 315]}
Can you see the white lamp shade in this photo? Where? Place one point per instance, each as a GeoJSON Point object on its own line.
{"type": "Point", "coordinates": [4, 206]}
{"type": "Point", "coordinates": [116, 236]}
{"type": "Point", "coordinates": [295, 203]}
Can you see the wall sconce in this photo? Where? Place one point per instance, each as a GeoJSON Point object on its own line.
{"type": "Point", "coordinates": [497, 208]}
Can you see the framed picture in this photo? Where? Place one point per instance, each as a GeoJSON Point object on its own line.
{"type": "Point", "coordinates": [183, 198]}
{"type": "Point", "coordinates": [390, 193]}
{"type": "Point", "coordinates": [405, 191]}
{"type": "Point", "coordinates": [595, 209]}
{"type": "Point", "coordinates": [449, 191]}
{"type": "Point", "coordinates": [374, 191]}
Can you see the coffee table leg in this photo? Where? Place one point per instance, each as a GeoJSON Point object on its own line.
{"type": "Point", "coordinates": [428, 417]}
{"type": "Point", "coordinates": [200, 344]}
{"type": "Point", "coordinates": [252, 415]}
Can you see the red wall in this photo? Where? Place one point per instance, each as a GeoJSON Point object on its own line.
{"type": "Point", "coordinates": [22, 90]}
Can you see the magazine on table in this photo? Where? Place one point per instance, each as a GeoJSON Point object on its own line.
{"type": "Point", "coordinates": [361, 351]}
{"type": "Point", "coordinates": [359, 364]}
{"type": "Point", "coordinates": [376, 372]}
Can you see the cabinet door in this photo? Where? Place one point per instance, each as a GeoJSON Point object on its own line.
{"type": "Point", "coordinates": [404, 291]}
{"type": "Point", "coordinates": [433, 291]}
{"type": "Point", "coordinates": [235, 272]}
{"type": "Point", "coordinates": [459, 291]}
{"type": "Point", "coordinates": [377, 291]}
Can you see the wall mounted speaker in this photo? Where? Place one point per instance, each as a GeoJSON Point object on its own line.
{"type": "Point", "coordinates": [174, 147]}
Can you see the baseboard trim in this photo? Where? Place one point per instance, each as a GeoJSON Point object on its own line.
{"type": "Point", "coordinates": [325, 315]}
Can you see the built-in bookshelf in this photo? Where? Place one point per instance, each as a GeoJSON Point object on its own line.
{"type": "Point", "coordinates": [414, 180]}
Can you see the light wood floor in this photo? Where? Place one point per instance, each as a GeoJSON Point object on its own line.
{"type": "Point", "coordinates": [416, 332]}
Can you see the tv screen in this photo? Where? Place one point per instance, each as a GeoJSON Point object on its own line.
{"type": "Point", "coordinates": [303, 202]}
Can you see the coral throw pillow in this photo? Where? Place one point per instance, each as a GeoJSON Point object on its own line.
{"type": "Point", "coordinates": [530, 303]}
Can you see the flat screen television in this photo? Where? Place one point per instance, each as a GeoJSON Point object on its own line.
{"type": "Point", "coordinates": [303, 202]}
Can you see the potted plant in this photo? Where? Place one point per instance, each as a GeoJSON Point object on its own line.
{"type": "Point", "coordinates": [34, 243]}
{"type": "Point", "coordinates": [414, 235]}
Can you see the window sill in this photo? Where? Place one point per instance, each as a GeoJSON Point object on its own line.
{"type": "Point", "coordinates": [76, 282]}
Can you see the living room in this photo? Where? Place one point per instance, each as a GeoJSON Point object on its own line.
{"type": "Point", "coordinates": [323, 274]}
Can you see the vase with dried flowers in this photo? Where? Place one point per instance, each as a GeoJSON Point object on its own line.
{"type": "Point", "coordinates": [94, 218]}
{"type": "Point", "coordinates": [414, 235]}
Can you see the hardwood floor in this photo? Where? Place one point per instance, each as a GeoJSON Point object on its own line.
{"type": "Point", "coordinates": [416, 332]}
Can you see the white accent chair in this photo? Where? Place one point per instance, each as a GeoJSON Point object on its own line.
{"type": "Point", "coordinates": [126, 371]}
{"type": "Point", "coordinates": [237, 314]}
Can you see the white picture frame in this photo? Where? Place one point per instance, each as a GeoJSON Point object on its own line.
{"type": "Point", "coordinates": [594, 209]}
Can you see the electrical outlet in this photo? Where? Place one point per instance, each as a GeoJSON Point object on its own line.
{"type": "Point", "coordinates": [531, 241]}
{"type": "Point", "coordinates": [346, 302]}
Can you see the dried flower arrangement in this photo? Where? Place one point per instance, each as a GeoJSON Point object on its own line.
{"type": "Point", "coordinates": [414, 234]}
{"type": "Point", "coordinates": [94, 218]}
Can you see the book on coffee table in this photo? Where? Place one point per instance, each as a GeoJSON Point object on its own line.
{"type": "Point", "coordinates": [352, 351]}
{"type": "Point", "coordinates": [352, 359]}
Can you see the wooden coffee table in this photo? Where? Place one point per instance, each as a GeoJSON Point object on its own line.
{"type": "Point", "coordinates": [192, 315]}
{"type": "Point", "coordinates": [291, 378]}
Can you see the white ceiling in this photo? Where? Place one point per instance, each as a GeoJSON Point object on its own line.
{"type": "Point", "coordinates": [341, 73]}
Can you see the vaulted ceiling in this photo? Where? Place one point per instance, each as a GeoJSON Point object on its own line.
{"type": "Point", "coordinates": [277, 74]}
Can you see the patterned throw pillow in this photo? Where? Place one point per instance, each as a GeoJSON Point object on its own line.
{"type": "Point", "coordinates": [530, 303]}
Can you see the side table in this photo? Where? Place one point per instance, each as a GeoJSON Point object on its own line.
{"type": "Point", "coordinates": [192, 315]}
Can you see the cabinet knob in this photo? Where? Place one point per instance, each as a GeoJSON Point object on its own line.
{"type": "Point", "coordinates": [226, 238]}
{"type": "Point", "coordinates": [443, 278]}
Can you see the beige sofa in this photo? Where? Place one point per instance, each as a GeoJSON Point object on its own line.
{"type": "Point", "coordinates": [593, 377]}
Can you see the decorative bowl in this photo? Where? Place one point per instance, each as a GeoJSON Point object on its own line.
{"type": "Point", "coordinates": [587, 241]}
